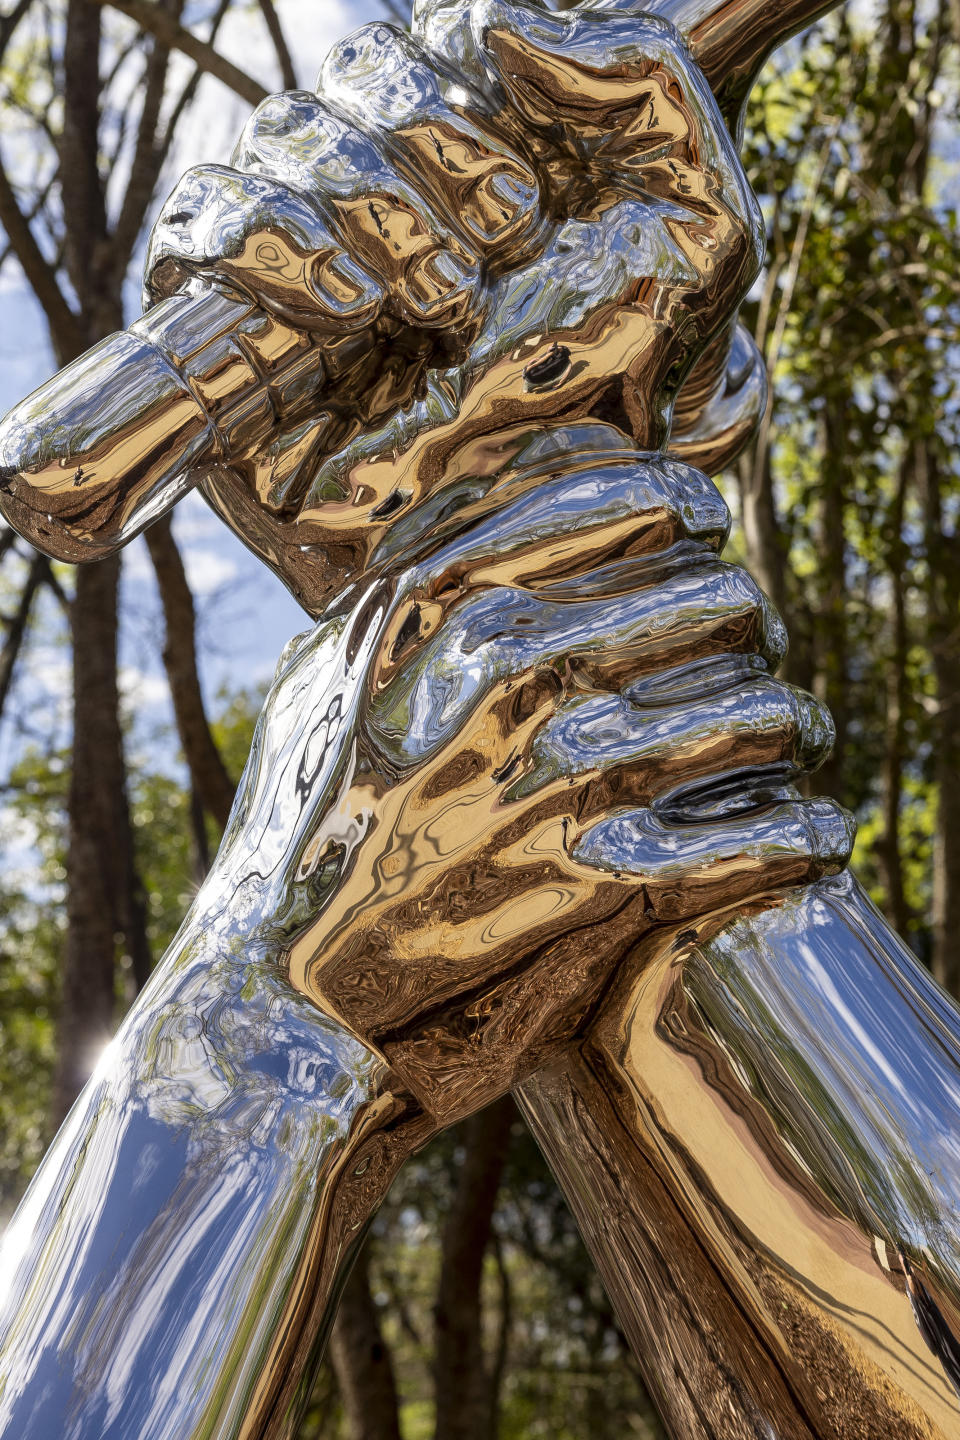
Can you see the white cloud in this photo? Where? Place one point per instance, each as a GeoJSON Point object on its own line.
{"type": "Point", "coordinates": [208, 569]}
{"type": "Point", "coordinates": [144, 688]}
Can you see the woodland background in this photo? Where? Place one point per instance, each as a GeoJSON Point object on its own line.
{"type": "Point", "coordinates": [474, 1313]}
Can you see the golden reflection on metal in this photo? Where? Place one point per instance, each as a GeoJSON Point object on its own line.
{"type": "Point", "coordinates": [414, 260]}
{"type": "Point", "coordinates": [759, 1140]}
{"type": "Point", "coordinates": [422, 345]}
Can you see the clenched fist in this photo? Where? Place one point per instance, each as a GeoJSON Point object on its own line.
{"type": "Point", "coordinates": [506, 219]}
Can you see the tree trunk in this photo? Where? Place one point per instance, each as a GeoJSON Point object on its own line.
{"type": "Point", "coordinates": [766, 551]}
{"type": "Point", "coordinates": [831, 677]}
{"type": "Point", "coordinates": [87, 999]}
{"type": "Point", "coordinates": [207, 771]}
{"type": "Point", "coordinates": [105, 900]}
{"type": "Point", "coordinates": [895, 740]}
{"type": "Point", "coordinates": [362, 1361]}
{"type": "Point", "coordinates": [461, 1383]}
{"type": "Point", "coordinates": [943, 612]}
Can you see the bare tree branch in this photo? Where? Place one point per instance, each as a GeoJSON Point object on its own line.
{"type": "Point", "coordinates": [148, 15]}
{"type": "Point", "coordinates": [81, 184]}
{"type": "Point", "coordinates": [207, 770]}
{"type": "Point", "coordinates": [772, 354]}
{"type": "Point", "coordinates": [123, 130]}
{"type": "Point", "coordinates": [198, 827]}
{"type": "Point", "coordinates": [122, 56]}
{"type": "Point", "coordinates": [272, 20]}
{"type": "Point", "coordinates": [461, 1380]}
{"type": "Point", "coordinates": [9, 23]}
{"type": "Point", "coordinates": [64, 325]}
{"type": "Point", "coordinates": [190, 89]}
{"type": "Point", "coordinates": [17, 628]}
{"type": "Point", "coordinates": [54, 586]}
{"type": "Point", "coordinates": [148, 154]}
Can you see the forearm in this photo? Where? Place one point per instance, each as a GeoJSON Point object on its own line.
{"type": "Point", "coordinates": [758, 1139]}
{"type": "Point", "coordinates": [173, 1268]}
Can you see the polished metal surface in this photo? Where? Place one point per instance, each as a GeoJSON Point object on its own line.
{"type": "Point", "coordinates": [170, 1271]}
{"type": "Point", "coordinates": [470, 792]}
{"type": "Point", "coordinates": [403, 238]}
{"type": "Point", "coordinates": [421, 345]}
{"type": "Point", "coordinates": [759, 1138]}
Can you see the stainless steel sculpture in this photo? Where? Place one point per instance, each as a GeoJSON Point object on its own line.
{"type": "Point", "coordinates": [521, 807]}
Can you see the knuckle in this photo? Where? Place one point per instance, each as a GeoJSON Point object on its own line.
{"type": "Point", "coordinates": [755, 601]}
{"type": "Point", "coordinates": [774, 645]}
{"type": "Point", "coordinates": [381, 72]}
{"type": "Point", "coordinates": [815, 730]}
{"type": "Point", "coordinates": [752, 620]}
{"type": "Point", "coordinates": [444, 26]}
{"type": "Point", "coordinates": [700, 508]}
{"type": "Point", "coordinates": [486, 193]}
{"type": "Point", "coordinates": [203, 215]}
{"type": "Point", "coordinates": [427, 277]}
{"type": "Point", "coordinates": [295, 137]}
{"type": "Point", "coordinates": [259, 232]}
{"type": "Point", "coordinates": [554, 65]}
{"type": "Point", "coordinates": [737, 591]}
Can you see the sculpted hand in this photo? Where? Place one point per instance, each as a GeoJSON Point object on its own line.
{"type": "Point", "coordinates": [473, 792]}
{"type": "Point", "coordinates": [550, 222]}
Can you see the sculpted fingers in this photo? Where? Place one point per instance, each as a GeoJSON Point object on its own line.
{"type": "Point", "coordinates": [611, 106]}
{"type": "Point", "coordinates": [268, 239]}
{"type": "Point", "coordinates": [688, 870]}
{"type": "Point", "coordinates": [430, 276]}
{"type": "Point", "coordinates": [609, 84]}
{"type": "Point", "coordinates": [547, 528]}
{"type": "Point", "coordinates": [432, 127]}
{"type": "Point", "coordinates": [316, 221]}
{"type": "Point", "coordinates": [742, 738]}
{"type": "Point", "coordinates": [497, 648]}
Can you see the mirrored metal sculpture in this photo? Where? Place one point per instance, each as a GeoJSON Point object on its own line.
{"type": "Point", "coordinates": [443, 345]}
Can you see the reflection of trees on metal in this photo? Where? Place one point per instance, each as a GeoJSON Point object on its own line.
{"type": "Point", "coordinates": [422, 347]}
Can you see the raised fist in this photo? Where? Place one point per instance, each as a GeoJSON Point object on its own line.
{"type": "Point", "coordinates": [509, 218]}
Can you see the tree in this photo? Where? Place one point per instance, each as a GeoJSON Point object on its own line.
{"type": "Point", "coordinates": [91, 98]}
{"type": "Point", "coordinates": [849, 496]}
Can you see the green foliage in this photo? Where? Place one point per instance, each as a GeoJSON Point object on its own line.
{"type": "Point", "coordinates": [32, 935]}
{"type": "Point", "coordinates": [850, 151]}
{"type": "Point", "coordinates": [32, 931]}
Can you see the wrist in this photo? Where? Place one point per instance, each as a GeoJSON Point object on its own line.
{"type": "Point", "coordinates": [221, 1032]}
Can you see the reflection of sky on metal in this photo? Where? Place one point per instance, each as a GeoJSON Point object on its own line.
{"type": "Point", "coordinates": [245, 615]}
